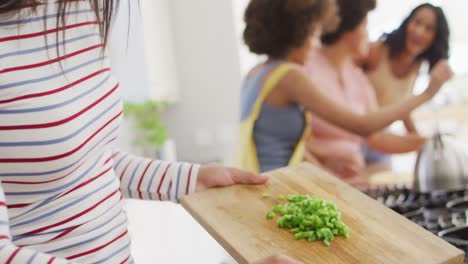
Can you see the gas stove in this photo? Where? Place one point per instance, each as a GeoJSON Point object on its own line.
{"type": "Point", "coordinates": [444, 213]}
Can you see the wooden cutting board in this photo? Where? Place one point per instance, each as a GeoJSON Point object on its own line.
{"type": "Point", "coordinates": [235, 217]}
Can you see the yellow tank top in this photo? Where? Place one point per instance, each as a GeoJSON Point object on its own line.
{"type": "Point", "coordinates": [246, 152]}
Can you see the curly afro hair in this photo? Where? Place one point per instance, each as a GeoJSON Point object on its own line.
{"type": "Point", "coordinates": [274, 27]}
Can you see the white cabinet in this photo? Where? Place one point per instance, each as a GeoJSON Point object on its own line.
{"type": "Point", "coordinates": [160, 58]}
{"type": "Point", "coordinates": [141, 50]}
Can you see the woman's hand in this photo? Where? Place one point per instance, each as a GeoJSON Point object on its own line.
{"type": "Point", "coordinates": [439, 75]}
{"type": "Point", "coordinates": [210, 176]}
{"type": "Point", "coordinates": [277, 259]}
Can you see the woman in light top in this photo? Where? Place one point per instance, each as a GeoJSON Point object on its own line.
{"type": "Point", "coordinates": [396, 59]}
{"type": "Point", "coordinates": [332, 67]}
{"type": "Point", "coordinates": [277, 93]}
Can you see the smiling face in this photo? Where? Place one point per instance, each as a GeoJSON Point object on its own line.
{"type": "Point", "coordinates": [421, 31]}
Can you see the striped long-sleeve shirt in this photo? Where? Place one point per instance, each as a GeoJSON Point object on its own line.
{"type": "Point", "coordinates": [62, 185]}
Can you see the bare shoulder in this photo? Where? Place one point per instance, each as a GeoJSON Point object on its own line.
{"type": "Point", "coordinates": [376, 52]}
{"type": "Point", "coordinates": [296, 83]}
{"type": "Point", "coordinates": [284, 90]}
{"type": "Point", "coordinates": [296, 74]}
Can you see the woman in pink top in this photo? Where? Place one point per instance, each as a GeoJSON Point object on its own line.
{"type": "Point", "coordinates": [333, 69]}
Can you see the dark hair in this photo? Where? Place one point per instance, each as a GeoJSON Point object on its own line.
{"type": "Point", "coordinates": [352, 13]}
{"type": "Point", "coordinates": [274, 27]}
{"type": "Point", "coordinates": [104, 17]}
{"type": "Point", "coordinates": [396, 40]}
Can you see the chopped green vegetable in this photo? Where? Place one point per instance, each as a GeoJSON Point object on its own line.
{"type": "Point", "coordinates": [295, 230]}
{"type": "Point", "coordinates": [270, 215]}
{"type": "Point", "coordinates": [299, 235]}
{"type": "Point", "coordinates": [309, 217]}
{"type": "Point", "coordinates": [277, 208]}
{"type": "Point", "coordinates": [265, 195]}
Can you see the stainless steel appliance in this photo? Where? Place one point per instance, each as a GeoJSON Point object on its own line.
{"type": "Point", "coordinates": [441, 165]}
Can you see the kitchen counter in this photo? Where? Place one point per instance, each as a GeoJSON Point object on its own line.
{"type": "Point", "coordinates": [457, 113]}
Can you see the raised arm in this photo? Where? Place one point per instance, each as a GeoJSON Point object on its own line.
{"type": "Point", "coordinates": [302, 90]}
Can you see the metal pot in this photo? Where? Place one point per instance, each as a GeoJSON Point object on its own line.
{"type": "Point", "coordinates": [440, 165]}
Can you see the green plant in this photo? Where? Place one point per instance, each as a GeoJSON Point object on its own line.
{"type": "Point", "coordinates": [149, 127]}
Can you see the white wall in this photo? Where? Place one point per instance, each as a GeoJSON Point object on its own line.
{"type": "Point", "coordinates": [128, 55]}
{"type": "Point", "coordinates": [144, 62]}
{"type": "Point", "coordinates": [204, 120]}
{"type": "Point", "coordinates": [159, 50]}
{"type": "Point", "coordinates": [142, 57]}
{"type": "Point", "coordinates": [185, 51]}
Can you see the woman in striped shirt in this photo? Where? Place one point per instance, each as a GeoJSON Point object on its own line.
{"type": "Point", "coordinates": [62, 185]}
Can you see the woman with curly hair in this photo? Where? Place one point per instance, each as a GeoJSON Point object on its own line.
{"type": "Point", "coordinates": [277, 93]}
{"type": "Point", "coordinates": [395, 60]}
